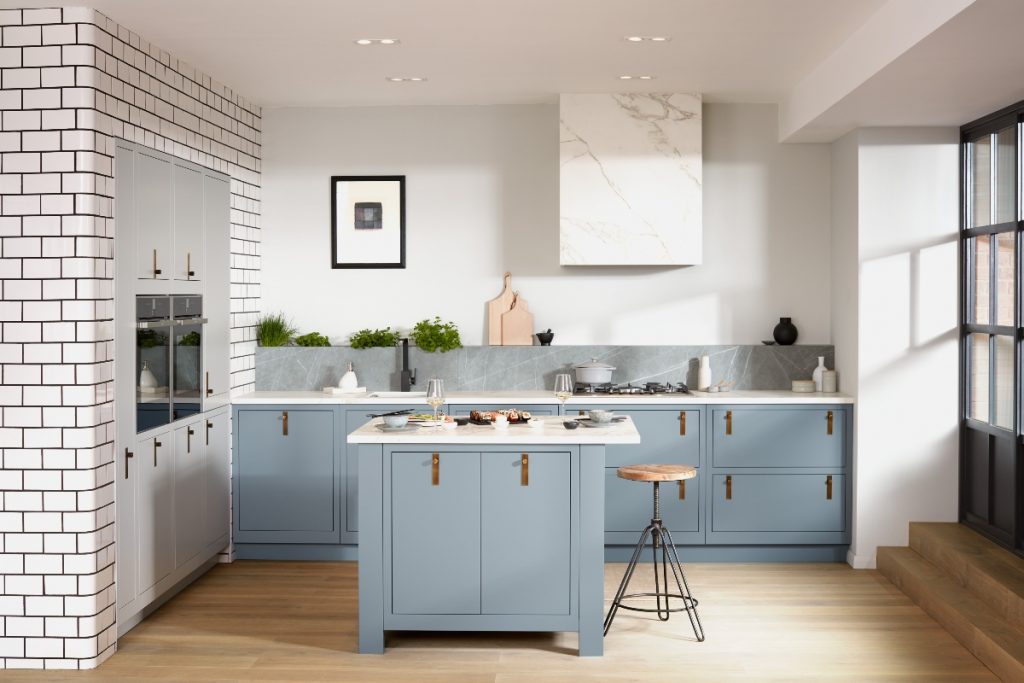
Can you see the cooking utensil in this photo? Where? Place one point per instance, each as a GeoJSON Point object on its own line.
{"type": "Point", "coordinates": [496, 307]}
{"type": "Point", "coordinates": [517, 324]}
{"type": "Point", "coordinates": [593, 372]}
{"type": "Point", "coordinates": [393, 412]}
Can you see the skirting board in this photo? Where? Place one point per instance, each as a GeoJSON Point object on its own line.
{"type": "Point", "coordinates": [124, 626]}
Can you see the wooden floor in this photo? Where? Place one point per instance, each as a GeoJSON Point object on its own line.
{"type": "Point", "coordinates": [273, 621]}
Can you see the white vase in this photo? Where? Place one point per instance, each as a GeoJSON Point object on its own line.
{"type": "Point", "coordinates": [817, 373]}
{"type": "Point", "coordinates": [147, 380]}
{"type": "Point", "coordinates": [704, 374]}
{"type": "Point", "coordinates": [348, 382]}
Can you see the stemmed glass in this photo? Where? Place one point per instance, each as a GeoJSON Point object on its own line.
{"type": "Point", "coordinates": [435, 394]}
{"type": "Point", "coordinates": [563, 388]}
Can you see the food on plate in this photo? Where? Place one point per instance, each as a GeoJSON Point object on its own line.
{"type": "Point", "coordinates": [512, 414]}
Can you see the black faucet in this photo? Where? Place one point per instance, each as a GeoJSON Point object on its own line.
{"type": "Point", "coordinates": [407, 376]}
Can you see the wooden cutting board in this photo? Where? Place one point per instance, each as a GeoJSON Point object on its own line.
{"type": "Point", "coordinates": [497, 307]}
{"type": "Point", "coordinates": [517, 324]}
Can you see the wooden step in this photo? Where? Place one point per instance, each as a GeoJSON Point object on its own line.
{"type": "Point", "coordinates": [967, 617]}
{"type": "Point", "coordinates": [993, 574]}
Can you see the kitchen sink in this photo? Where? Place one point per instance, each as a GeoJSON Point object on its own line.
{"type": "Point", "coordinates": [398, 394]}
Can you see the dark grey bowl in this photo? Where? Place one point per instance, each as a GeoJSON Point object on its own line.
{"type": "Point", "coordinates": [545, 338]}
{"type": "Point", "coordinates": [570, 424]}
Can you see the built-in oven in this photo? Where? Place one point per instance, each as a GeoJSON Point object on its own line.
{"type": "Point", "coordinates": [168, 359]}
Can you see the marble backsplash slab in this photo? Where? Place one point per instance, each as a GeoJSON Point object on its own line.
{"type": "Point", "coordinates": [525, 368]}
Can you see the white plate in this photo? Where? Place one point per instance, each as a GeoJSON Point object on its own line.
{"type": "Point", "coordinates": [397, 430]}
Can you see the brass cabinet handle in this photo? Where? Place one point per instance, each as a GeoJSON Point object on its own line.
{"type": "Point", "coordinates": [188, 439]}
{"type": "Point", "coordinates": [829, 418]}
{"type": "Point", "coordinates": [188, 264]}
{"type": "Point", "coordinates": [284, 423]}
{"type": "Point", "coordinates": [828, 487]}
{"type": "Point", "coordinates": [156, 271]}
{"type": "Point", "coordinates": [682, 489]}
{"type": "Point", "coordinates": [524, 473]}
{"type": "Point", "coordinates": [728, 487]}
{"type": "Point", "coordinates": [435, 470]}
{"type": "Point", "coordinates": [682, 424]}
{"type": "Point", "coordinates": [209, 391]}
{"type": "Point", "coordinates": [156, 445]}
{"type": "Point", "coordinates": [209, 426]}
{"type": "Point", "coordinates": [127, 454]}
{"type": "Point", "coordinates": [728, 422]}
{"type": "Point", "coordinates": [581, 412]}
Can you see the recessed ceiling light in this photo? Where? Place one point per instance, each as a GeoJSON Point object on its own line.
{"type": "Point", "coordinates": [405, 79]}
{"type": "Point", "coordinates": [625, 78]}
{"type": "Point", "coordinates": [648, 39]}
{"type": "Point", "coordinates": [377, 41]}
{"type": "Point", "coordinates": [641, 78]}
{"type": "Point", "coordinates": [635, 39]}
{"type": "Point", "coordinates": [646, 78]}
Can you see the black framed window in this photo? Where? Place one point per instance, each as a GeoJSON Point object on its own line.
{"type": "Point", "coordinates": [991, 472]}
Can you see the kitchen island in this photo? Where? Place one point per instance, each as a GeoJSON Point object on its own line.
{"type": "Point", "coordinates": [483, 529]}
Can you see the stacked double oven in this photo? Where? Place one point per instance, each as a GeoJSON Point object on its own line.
{"type": "Point", "coordinates": [168, 359]}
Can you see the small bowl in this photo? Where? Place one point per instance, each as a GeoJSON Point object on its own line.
{"type": "Point", "coordinates": [449, 425]}
{"type": "Point", "coordinates": [501, 424]}
{"type": "Point", "coordinates": [534, 423]}
{"type": "Point", "coordinates": [601, 416]}
{"type": "Point", "coordinates": [396, 421]}
{"type": "Point", "coordinates": [462, 421]}
{"type": "Point", "coordinates": [570, 424]}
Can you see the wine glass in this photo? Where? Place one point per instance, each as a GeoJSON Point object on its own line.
{"type": "Point", "coordinates": [563, 388]}
{"type": "Point", "coordinates": [435, 394]}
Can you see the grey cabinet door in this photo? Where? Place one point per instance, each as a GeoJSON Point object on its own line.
{"type": "Point", "coordinates": [153, 211]}
{"type": "Point", "coordinates": [668, 437]}
{"type": "Point", "coordinates": [189, 491]}
{"type": "Point", "coordinates": [788, 437]}
{"type": "Point", "coordinates": [155, 510]}
{"type": "Point", "coordinates": [188, 223]}
{"type": "Point", "coordinates": [217, 290]}
{"type": "Point", "coordinates": [778, 503]}
{"type": "Point", "coordinates": [216, 441]}
{"type": "Point", "coordinates": [629, 506]}
{"type": "Point", "coordinates": [435, 533]}
{"type": "Point", "coordinates": [288, 479]}
{"type": "Point", "coordinates": [526, 533]}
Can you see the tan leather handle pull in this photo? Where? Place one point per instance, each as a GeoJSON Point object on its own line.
{"type": "Point", "coordinates": [524, 473]}
{"type": "Point", "coordinates": [435, 470]}
{"type": "Point", "coordinates": [682, 489]}
{"type": "Point", "coordinates": [682, 423]}
{"type": "Point", "coordinates": [156, 445]}
{"type": "Point", "coordinates": [728, 422]}
{"type": "Point", "coordinates": [582, 412]}
{"type": "Point", "coordinates": [728, 487]}
{"type": "Point", "coordinates": [284, 423]}
{"type": "Point", "coordinates": [127, 454]}
{"type": "Point", "coordinates": [828, 417]}
{"type": "Point", "coordinates": [828, 487]}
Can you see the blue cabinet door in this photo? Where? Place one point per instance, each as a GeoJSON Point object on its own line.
{"type": "Point", "coordinates": [629, 506]}
{"type": "Point", "coordinates": [668, 437]}
{"type": "Point", "coordinates": [288, 479]}
{"type": "Point", "coordinates": [783, 437]}
{"type": "Point", "coordinates": [354, 419]}
{"type": "Point", "coordinates": [435, 533]}
{"type": "Point", "coordinates": [526, 533]}
{"type": "Point", "coordinates": [766, 503]}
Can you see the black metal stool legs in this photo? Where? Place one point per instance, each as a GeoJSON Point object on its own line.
{"type": "Point", "coordinates": [660, 536]}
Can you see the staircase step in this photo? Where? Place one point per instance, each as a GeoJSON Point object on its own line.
{"type": "Point", "coordinates": [985, 569]}
{"type": "Point", "coordinates": [967, 617]}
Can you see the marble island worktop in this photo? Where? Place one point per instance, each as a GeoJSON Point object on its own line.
{"type": "Point", "coordinates": [749, 397]}
{"type": "Point", "coordinates": [551, 431]}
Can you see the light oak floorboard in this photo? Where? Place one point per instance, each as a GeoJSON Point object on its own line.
{"type": "Point", "coordinates": [296, 621]}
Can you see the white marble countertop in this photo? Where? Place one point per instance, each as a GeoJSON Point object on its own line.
{"type": "Point", "coordinates": [551, 431]}
{"type": "Point", "coordinates": [546, 397]}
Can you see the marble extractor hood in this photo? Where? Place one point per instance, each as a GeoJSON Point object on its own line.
{"type": "Point", "coordinates": [630, 179]}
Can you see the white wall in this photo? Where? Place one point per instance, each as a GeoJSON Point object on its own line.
{"type": "Point", "coordinates": [482, 198]}
{"type": "Point", "coordinates": [904, 288]}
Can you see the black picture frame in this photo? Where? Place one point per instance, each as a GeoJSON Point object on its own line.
{"type": "Point", "coordinates": [380, 209]}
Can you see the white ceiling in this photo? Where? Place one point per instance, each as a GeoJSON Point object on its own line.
{"type": "Point", "coordinates": [832, 65]}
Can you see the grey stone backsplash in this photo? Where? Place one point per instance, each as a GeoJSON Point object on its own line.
{"type": "Point", "coordinates": [509, 368]}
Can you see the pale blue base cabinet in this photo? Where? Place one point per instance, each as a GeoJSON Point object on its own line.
{"type": "Point", "coordinates": [460, 538]}
{"type": "Point", "coordinates": [773, 480]}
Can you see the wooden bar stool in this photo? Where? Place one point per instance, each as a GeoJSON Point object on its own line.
{"type": "Point", "coordinates": [660, 537]}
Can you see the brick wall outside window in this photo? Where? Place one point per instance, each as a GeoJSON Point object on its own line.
{"type": "Point", "coordinates": [71, 82]}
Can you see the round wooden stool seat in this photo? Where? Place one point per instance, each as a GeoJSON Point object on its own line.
{"type": "Point", "coordinates": [657, 472]}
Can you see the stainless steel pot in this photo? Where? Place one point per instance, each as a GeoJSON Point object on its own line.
{"type": "Point", "coordinates": [593, 372]}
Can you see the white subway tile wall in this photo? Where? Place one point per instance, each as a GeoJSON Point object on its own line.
{"type": "Point", "coordinates": [71, 82]}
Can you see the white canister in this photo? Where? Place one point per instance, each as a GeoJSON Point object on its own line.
{"type": "Point", "coordinates": [816, 375]}
{"type": "Point", "coordinates": [704, 374]}
{"type": "Point", "coordinates": [829, 382]}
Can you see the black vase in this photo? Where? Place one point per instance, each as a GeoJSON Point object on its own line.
{"type": "Point", "coordinates": [785, 332]}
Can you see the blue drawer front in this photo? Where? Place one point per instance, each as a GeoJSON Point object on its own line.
{"type": "Point", "coordinates": [630, 504]}
{"type": "Point", "coordinates": [745, 437]}
{"type": "Point", "coordinates": [435, 533]}
{"type": "Point", "coordinates": [526, 533]}
{"type": "Point", "coordinates": [778, 502]}
{"type": "Point", "coordinates": [287, 485]}
{"type": "Point", "coordinates": [667, 438]}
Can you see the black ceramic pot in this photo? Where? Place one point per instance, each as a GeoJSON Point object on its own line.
{"type": "Point", "coordinates": [785, 332]}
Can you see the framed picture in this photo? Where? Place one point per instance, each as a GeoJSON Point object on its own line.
{"type": "Point", "coordinates": [368, 221]}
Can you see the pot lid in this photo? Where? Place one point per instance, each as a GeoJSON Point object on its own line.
{"type": "Point", "coordinates": [593, 363]}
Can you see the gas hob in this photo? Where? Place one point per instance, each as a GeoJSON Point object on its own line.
{"type": "Point", "coordinates": [625, 390]}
